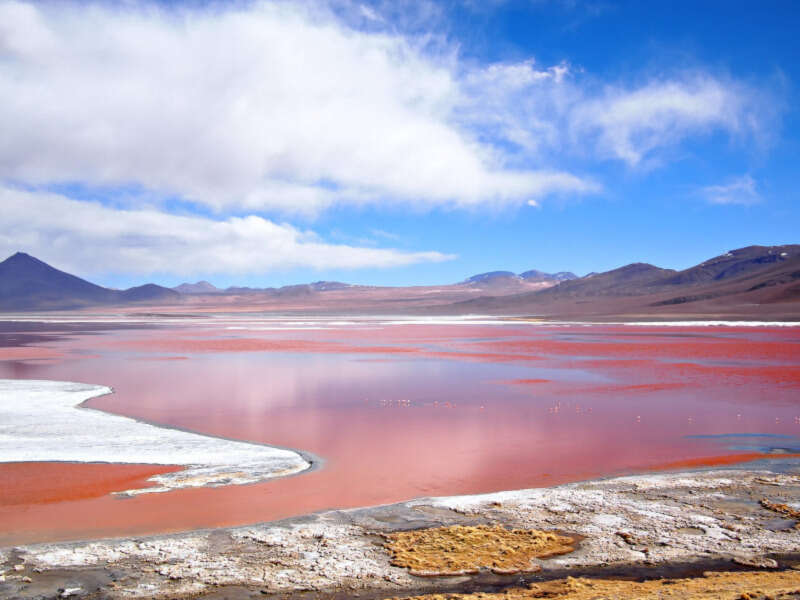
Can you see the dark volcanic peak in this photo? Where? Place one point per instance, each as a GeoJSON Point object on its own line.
{"type": "Point", "coordinates": [27, 283]}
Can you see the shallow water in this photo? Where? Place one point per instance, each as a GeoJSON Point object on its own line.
{"type": "Point", "coordinates": [399, 411]}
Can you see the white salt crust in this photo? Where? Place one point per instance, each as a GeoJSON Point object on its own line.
{"type": "Point", "coordinates": [41, 421]}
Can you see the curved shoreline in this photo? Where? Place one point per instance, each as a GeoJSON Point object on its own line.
{"type": "Point", "coordinates": [47, 421]}
{"type": "Point", "coordinates": [315, 462]}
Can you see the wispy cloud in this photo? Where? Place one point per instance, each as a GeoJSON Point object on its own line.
{"type": "Point", "coordinates": [633, 124]}
{"type": "Point", "coordinates": [742, 190]}
{"type": "Point", "coordinates": [554, 113]}
{"type": "Point", "coordinates": [387, 235]}
{"type": "Point", "coordinates": [87, 237]}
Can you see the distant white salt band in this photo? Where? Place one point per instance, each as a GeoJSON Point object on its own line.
{"type": "Point", "coordinates": [41, 421]}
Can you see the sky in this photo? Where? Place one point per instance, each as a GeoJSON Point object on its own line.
{"type": "Point", "coordinates": [392, 142]}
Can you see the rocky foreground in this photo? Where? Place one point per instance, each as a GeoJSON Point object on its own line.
{"type": "Point", "coordinates": [644, 527]}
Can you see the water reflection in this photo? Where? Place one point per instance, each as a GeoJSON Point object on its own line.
{"type": "Point", "coordinates": [395, 420]}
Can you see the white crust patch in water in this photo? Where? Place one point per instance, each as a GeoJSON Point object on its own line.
{"type": "Point", "coordinates": [41, 421]}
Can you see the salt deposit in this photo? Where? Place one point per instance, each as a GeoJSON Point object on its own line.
{"type": "Point", "coordinates": [42, 421]}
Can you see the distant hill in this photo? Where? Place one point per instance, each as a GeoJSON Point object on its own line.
{"type": "Point", "coordinates": [753, 281]}
{"type": "Point", "coordinates": [204, 287]}
{"type": "Point", "coordinates": [201, 287]}
{"type": "Point", "coordinates": [627, 280]}
{"type": "Point", "coordinates": [532, 276]}
{"type": "Point", "coordinates": [149, 292]}
{"type": "Point", "coordinates": [327, 286]}
{"type": "Point", "coordinates": [756, 282]}
{"type": "Point", "coordinates": [735, 263]}
{"type": "Point", "coordinates": [491, 276]}
{"type": "Point", "coordinates": [27, 283]}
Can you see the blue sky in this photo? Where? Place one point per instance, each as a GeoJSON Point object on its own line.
{"type": "Point", "coordinates": [393, 143]}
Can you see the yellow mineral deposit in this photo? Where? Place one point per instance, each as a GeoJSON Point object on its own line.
{"type": "Point", "coordinates": [459, 550]}
{"type": "Point", "coordinates": [781, 585]}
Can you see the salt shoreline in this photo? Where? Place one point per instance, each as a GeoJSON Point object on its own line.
{"type": "Point", "coordinates": [648, 524]}
{"type": "Point", "coordinates": [652, 524]}
{"type": "Point", "coordinates": [43, 421]}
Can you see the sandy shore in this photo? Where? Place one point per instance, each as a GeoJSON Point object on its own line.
{"type": "Point", "coordinates": [649, 526]}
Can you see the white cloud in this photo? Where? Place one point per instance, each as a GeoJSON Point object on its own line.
{"type": "Point", "coordinates": [277, 106]}
{"type": "Point", "coordinates": [261, 106]}
{"type": "Point", "coordinates": [520, 103]}
{"type": "Point", "coordinates": [632, 124]}
{"type": "Point", "coordinates": [388, 235]}
{"type": "Point", "coordinates": [741, 190]}
{"type": "Point", "coordinates": [558, 112]}
{"type": "Point", "coordinates": [369, 13]}
{"type": "Point", "coordinates": [89, 238]}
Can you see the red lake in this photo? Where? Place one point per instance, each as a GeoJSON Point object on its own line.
{"type": "Point", "coordinates": [398, 410]}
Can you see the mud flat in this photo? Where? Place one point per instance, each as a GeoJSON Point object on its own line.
{"type": "Point", "coordinates": [646, 527]}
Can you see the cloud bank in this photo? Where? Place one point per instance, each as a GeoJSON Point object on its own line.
{"type": "Point", "coordinates": [279, 106]}
{"type": "Point", "coordinates": [260, 107]}
{"type": "Point", "coordinates": [87, 237]}
{"type": "Point", "coordinates": [245, 110]}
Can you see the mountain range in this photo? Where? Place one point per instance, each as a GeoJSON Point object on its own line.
{"type": "Point", "coordinates": [751, 282]}
{"type": "Point", "coordinates": [26, 283]}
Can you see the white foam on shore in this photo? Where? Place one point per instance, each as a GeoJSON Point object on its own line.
{"type": "Point", "coordinates": [41, 421]}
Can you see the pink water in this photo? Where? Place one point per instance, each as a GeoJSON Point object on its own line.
{"type": "Point", "coordinates": [403, 411]}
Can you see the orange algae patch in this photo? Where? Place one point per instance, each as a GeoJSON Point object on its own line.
{"type": "Point", "coordinates": [460, 550]}
{"type": "Point", "coordinates": [47, 482]}
{"type": "Point", "coordinates": [715, 461]}
{"type": "Point", "coordinates": [712, 586]}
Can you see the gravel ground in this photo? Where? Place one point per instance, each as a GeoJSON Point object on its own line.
{"type": "Point", "coordinates": [647, 526]}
